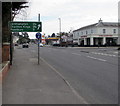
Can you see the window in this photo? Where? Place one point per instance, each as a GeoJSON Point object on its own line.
{"type": "Point", "coordinates": [86, 32]}
{"type": "Point", "coordinates": [91, 31]}
{"type": "Point", "coordinates": [81, 33]}
{"type": "Point", "coordinates": [104, 30]}
{"type": "Point", "coordinates": [114, 30]}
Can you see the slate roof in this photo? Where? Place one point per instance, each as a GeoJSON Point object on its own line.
{"type": "Point", "coordinates": [115, 24]}
{"type": "Point", "coordinates": [101, 24]}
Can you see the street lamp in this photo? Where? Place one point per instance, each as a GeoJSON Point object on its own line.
{"type": "Point", "coordinates": [60, 29]}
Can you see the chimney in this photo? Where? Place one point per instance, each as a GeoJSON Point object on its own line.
{"type": "Point", "coordinates": [100, 20]}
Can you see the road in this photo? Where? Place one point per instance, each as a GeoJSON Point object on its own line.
{"type": "Point", "coordinates": [92, 72]}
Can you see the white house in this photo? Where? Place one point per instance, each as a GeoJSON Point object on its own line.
{"type": "Point", "coordinates": [101, 33]}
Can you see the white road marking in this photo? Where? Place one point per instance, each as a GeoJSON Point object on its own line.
{"type": "Point", "coordinates": [90, 57]}
{"type": "Point", "coordinates": [96, 58]}
{"type": "Point", "coordinates": [76, 54]}
{"type": "Point", "coordinates": [33, 51]}
{"type": "Point", "coordinates": [116, 52]}
{"type": "Point", "coordinates": [104, 54]}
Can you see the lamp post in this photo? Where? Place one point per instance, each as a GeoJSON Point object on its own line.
{"type": "Point", "coordinates": [60, 29]}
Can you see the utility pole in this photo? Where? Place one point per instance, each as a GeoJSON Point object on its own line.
{"type": "Point", "coordinates": [11, 41]}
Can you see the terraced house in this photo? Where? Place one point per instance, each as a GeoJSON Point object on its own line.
{"type": "Point", "coordinates": [98, 34]}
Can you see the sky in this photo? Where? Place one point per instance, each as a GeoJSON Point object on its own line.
{"type": "Point", "coordinates": [73, 13]}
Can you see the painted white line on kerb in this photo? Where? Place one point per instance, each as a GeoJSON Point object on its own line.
{"type": "Point", "coordinates": [76, 54]}
{"type": "Point", "coordinates": [96, 58]}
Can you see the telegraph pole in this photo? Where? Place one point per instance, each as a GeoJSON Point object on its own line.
{"type": "Point", "coordinates": [11, 41]}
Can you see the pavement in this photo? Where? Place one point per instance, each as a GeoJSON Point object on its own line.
{"type": "Point", "coordinates": [30, 83]}
{"type": "Point", "coordinates": [0, 94]}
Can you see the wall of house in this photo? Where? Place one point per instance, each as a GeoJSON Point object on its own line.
{"type": "Point", "coordinates": [84, 33]}
{"type": "Point", "coordinates": [109, 31]}
{"type": "Point", "coordinates": [93, 35]}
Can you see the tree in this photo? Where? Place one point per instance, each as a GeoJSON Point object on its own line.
{"type": "Point", "coordinates": [7, 16]}
{"type": "Point", "coordinates": [53, 35]}
{"type": "Point", "coordinates": [48, 36]}
{"type": "Point", "coordinates": [24, 38]}
{"type": "Point", "coordinates": [64, 34]}
{"type": "Point", "coordinates": [16, 7]}
{"type": "Point", "coordinates": [9, 10]}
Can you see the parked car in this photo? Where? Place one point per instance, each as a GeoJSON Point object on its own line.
{"type": "Point", "coordinates": [16, 44]}
{"type": "Point", "coordinates": [41, 45]}
{"type": "Point", "coordinates": [25, 45]}
{"type": "Point", "coordinates": [56, 43]}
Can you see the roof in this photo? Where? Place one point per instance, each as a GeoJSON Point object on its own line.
{"type": "Point", "coordinates": [110, 24]}
{"type": "Point", "coordinates": [100, 24]}
{"type": "Point", "coordinates": [92, 25]}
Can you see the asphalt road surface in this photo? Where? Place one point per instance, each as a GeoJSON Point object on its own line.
{"type": "Point", "coordinates": [92, 72]}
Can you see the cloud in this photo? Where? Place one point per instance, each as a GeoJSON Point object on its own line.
{"type": "Point", "coordinates": [73, 13]}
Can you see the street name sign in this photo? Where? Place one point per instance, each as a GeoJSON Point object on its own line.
{"type": "Point", "coordinates": [16, 26]}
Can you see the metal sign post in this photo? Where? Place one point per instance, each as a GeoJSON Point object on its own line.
{"type": "Point", "coordinates": [39, 42]}
{"type": "Point", "coordinates": [38, 51]}
{"type": "Point", "coordinates": [17, 26]}
{"type": "Point", "coordinates": [38, 36]}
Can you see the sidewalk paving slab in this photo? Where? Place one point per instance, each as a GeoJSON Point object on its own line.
{"type": "Point", "coordinates": [30, 83]}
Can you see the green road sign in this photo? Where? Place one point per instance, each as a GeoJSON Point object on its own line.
{"type": "Point", "coordinates": [25, 26]}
